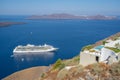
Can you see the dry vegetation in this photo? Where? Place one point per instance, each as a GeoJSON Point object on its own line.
{"type": "Point", "coordinates": [97, 71]}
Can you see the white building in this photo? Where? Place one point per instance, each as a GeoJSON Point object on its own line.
{"type": "Point", "coordinates": [105, 55]}
{"type": "Point", "coordinates": [101, 54]}
{"type": "Point", "coordinates": [114, 44]}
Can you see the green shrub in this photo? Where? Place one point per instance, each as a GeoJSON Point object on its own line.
{"type": "Point", "coordinates": [103, 42]}
{"type": "Point", "coordinates": [42, 75]}
{"type": "Point", "coordinates": [77, 58]}
{"type": "Point", "coordinates": [57, 64]}
{"type": "Point", "coordinates": [114, 49]}
{"type": "Point", "coordinates": [61, 66]}
{"type": "Point", "coordinates": [92, 50]}
{"type": "Point", "coordinates": [88, 47]}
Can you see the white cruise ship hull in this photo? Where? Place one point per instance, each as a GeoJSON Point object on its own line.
{"type": "Point", "coordinates": [34, 49]}
{"type": "Point", "coordinates": [39, 51]}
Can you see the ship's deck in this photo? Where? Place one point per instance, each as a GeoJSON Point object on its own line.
{"type": "Point", "coordinates": [32, 48]}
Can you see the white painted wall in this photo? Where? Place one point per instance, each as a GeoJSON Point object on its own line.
{"type": "Point", "coordinates": [105, 53]}
{"type": "Point", "coordinates": [86, 59]}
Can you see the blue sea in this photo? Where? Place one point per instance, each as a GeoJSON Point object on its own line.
{"type": "Point", "coordinates": [67, 35]}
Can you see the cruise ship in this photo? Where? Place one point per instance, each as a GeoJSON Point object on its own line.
{"type": "Point", "coordinates": [34, 49]}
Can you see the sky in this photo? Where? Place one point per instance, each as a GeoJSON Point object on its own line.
{"type": "Point", "coordinates": [77, 7]}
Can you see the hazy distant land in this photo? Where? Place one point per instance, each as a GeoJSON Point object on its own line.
{"type": "Point", "coordinates": [69, 16]}
{"type": "Point", "coordinates": [5, 24]}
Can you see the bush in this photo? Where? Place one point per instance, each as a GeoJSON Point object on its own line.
{"type": "Point", "coordinates": [88, 47]}
{"type": "Point", "coordinates": [92, 50]}
{"type": "Point", "coordinates": [58, 64]}
{"type": "Point", "coordinates": [76, 58]}
{"type": "Point", "coordinates": [42, 75]}
{"type": "Point", "coordinates": [61, 66]}
{"type": "Point", "coordinates": [114, 49]}
{"type": "Point", "coordinates": [103, 42]}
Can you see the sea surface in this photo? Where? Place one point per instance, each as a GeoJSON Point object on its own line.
{"type": "Point", "coordinates": [67, 35]}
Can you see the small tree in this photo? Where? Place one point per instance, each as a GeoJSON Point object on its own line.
{"type": "Point", "coordinates": [103, 42]}
{"type": "Point", "coordinates": [57, 64]}
{"type": "Point", "coordinates": [42, 75]}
